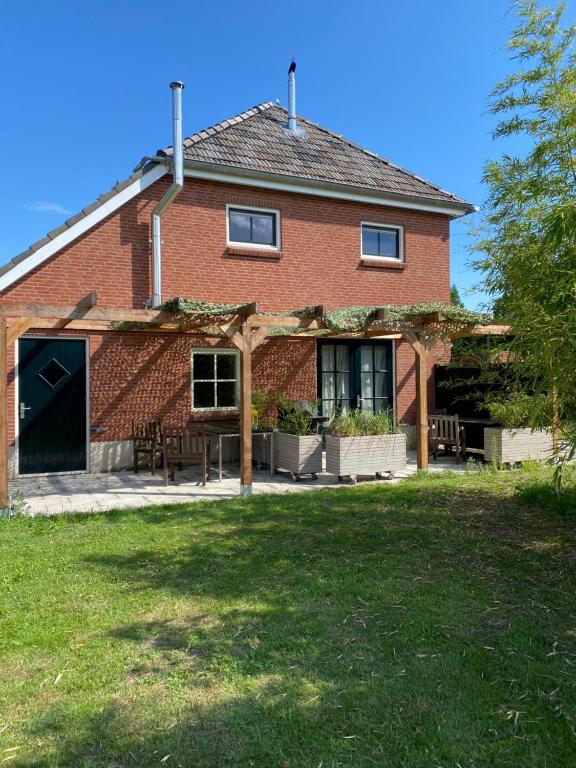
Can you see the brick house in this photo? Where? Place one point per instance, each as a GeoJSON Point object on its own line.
{"type": "Point", "coordinates": [285, 216]}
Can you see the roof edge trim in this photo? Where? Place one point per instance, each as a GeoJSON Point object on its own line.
{"type": "Point", "coordinates": [19, 267]}
{"type": "Point", "coordinates": [298, 184]}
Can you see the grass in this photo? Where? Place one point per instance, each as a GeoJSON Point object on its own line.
{"type": "Point", "coordinates": [430, 623]}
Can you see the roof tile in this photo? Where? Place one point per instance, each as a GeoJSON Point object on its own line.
{"type": "Point", "coordinates": [258, 140]}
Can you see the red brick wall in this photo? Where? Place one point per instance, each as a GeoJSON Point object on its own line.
{"type": "Point", "coordinates": [148, 376]}
{"type": "Point", "coordinates": [320, 261]}
{"type": "Point", "coordinates": [145, 375]}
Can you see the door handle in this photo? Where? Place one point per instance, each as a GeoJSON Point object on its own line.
{"type": "Point", "coordinates": [23, 409]}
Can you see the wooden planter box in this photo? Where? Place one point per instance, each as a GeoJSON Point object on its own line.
{"type": "Point", "coordinates": [299, 454]}
{"type": "Point", "coordinates": [512, 445]}
{"type": "Point", "coordinates": [261, 445]}
{"type": "Point", "coordinates": [369, 455]}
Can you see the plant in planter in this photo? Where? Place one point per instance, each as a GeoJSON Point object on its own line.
{"type": "Point", "coordinates": [298, 449]}
{"type": "Point", "coordinates": [515, 440]}
{"type": "Point", "coordinates": [259, 409]}
{"type": "Point", "coordinates": [364, 443]}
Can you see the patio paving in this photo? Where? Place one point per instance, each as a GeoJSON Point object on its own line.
{"type": "Point", "coordinates": [57, 494]}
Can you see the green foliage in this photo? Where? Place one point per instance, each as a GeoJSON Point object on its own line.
{"type": "Point", "coordinates": [195, 307]}
{"type": "Point", "coordinates": [520, 410]}
{"type": "Point", "coordinates": [16, 506]}
{"type": "Point", "coordinates": [455, 296]}
{"type": "Point", "coordinates": [526, 240]}
{"type": "Point", "coordinates": [353, 319]}
{"type": "Point", "coordinates": [295, 422]}
{"type": "Point", "coordinates": [359, 423]}
{"type": "Point", "coordinates": [294, 419]}
{"type": "Point", "coordinates": [261, 416]}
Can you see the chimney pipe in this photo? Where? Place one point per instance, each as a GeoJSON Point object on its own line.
{"type": "Point", "coordinates": [173, 190]}
{"type": "Point", "coordinates": [292, 125]}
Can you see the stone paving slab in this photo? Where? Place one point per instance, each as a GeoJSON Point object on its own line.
{"type": "Point", "coordinates": [82, 493]}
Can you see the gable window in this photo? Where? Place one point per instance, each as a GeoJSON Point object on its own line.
{"type": "Point", "coordinates": [381, 242]}
{"type": "Point", "coordinates": [214, 379]}
{"type": "Point", "coordinates": [253, 226]}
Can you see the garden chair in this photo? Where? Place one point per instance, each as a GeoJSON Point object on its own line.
{"type": "Point", "coordinates": [147, 441]}
{"type": "Point", "coordinates": [185, 445]}
{"type": "Point", "coordinates": [445, 431]}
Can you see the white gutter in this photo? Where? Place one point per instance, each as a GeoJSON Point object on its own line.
{"type": "Point", "coordinates": [263, 180]}
{"type": "Point", "coordinates": [173, 190]}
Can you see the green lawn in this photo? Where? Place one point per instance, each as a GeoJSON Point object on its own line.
{"type": "Point", "coordinates": [430, 623]}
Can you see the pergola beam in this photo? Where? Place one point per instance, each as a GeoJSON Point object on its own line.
{"type": "Point", "coordinates": [78, 312]}
{"type": "Point", "coordinates": [482, 330]}
{"type": "Point", "coordinates": [19, 327]}
{"type": "Point", "coordinates": [270, 321]}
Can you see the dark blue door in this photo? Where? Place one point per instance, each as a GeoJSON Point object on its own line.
{"type": "Point", "coordinates": [355, 375]}
{"type": "Point", "coordinates": [51, 405]}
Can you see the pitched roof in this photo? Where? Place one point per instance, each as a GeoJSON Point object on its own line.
{"type": "Point", "coordinates": [258, 139]}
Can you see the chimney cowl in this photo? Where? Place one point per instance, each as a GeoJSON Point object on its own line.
{"type": "Point", "coordinates": [292, 123]}
{"type": "Point", "coordinates": [293, 126]}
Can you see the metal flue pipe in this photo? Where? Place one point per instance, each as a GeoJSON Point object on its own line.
{"type": "Point", "coordinates": [292, 125]}
{"type": "Point", "coordinates": [173, 190]}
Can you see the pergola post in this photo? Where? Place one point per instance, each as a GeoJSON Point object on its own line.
{"type": "Point", "coordinates": [246, 412]}
{"type": "Point", "coordinates": [3, 413]}
{"type": "Point", "coordinates": [421, 405]}
{"type": "Point", "coordinates": [420, 344]}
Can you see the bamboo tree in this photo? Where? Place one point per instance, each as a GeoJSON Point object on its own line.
{"type": "Point", "coordinates": [527, 240]}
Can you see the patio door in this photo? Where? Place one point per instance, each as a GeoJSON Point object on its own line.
{"type": "Point", "coordinates": [355, 374]}
{"type": "Point", "coordinates": [52, 428]}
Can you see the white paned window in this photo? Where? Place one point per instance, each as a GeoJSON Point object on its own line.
{"type": "Point", "coordinates": [258, 227]}
{"type": "Point", "coordinates": [382, 242]}
{"type": "Point", "coordinates": [214, 379]}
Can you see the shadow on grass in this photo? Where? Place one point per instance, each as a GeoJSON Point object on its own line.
{"type": "Point", "coordinates": [394, 626]}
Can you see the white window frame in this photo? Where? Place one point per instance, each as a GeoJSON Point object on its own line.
{"type": "Point", "coordinates": [380, 225]}
{"type": "Point", "coordinates": [212, 351]}
{"type": "Point", "coordinates": [250, 209]}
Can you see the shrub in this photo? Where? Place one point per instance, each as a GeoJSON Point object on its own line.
{"type": "Point", "coordinates": [295, 422]}
{"type": "Point", "coordinates": [260, 401]}
{"type": "Point", "coordinates": [520, 410]}
{"type": "Point", "coordinates": [294, 419]}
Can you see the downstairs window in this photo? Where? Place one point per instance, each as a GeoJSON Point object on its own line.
{"type": "Point", "coordinates": [214, 379]}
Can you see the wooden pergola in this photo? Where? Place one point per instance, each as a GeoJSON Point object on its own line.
{"type": "Point", "coordinates": [246, 327]}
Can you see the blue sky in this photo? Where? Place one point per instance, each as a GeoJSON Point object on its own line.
{"type": "Point", "coordinates": [85, 90]}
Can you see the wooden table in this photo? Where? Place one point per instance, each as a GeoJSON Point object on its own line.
{"type": "Point", "coordinates": [474, 428]}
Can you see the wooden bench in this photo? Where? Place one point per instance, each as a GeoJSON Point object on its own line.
{"type": "Point", "coordinates": [446, 431]}
{"type": "Point", "coordinates": [147, 441]}
{"type": "Point", "coordinates": [185, 445]}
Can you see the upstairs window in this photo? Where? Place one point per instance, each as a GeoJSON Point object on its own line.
{"type": "Point", "coordinates": [214, 379]}
{"type": "Point", "coordinates": [381, 242]}
{"type": "Point", "coordinates": [253, 226]}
